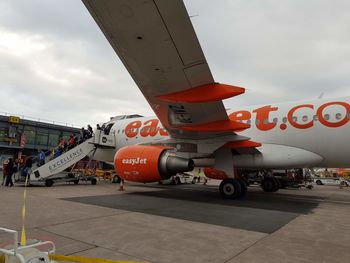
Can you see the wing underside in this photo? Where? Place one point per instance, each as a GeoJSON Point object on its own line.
{"type": "Point", "coordinates": [157, 44]}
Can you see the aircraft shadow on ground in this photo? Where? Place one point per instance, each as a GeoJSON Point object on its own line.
{"type": "Point", "coordinates": [261, 212]}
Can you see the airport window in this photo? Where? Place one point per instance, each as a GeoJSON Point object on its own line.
{"type": "Point", "coordinates": [30, 134]}
{"type": "Point", "coordinates": [338, 116]}
{"type": "Point", "coordinates": [3, 134]}
{"type": "Point", "coordinates": [284, 120]}
{"type": "Point", "coordinates": [53, 139]}
{"type": "Point", "coordinates": [305, 118]}
{"type": "Point", "coordinates": [315, 118]}
{"type": "Point", "coordinates": [326, 117]}
{"type": "Point", "coordinates": [42, 137]}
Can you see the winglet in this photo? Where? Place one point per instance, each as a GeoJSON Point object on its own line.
{"type": "Point", "coordinates": [205, 93]}
{"type": "Point", "coordinates": [217, 126]}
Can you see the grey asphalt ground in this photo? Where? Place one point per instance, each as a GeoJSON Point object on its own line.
{"type": "Point", "coordinates": [184, 223]}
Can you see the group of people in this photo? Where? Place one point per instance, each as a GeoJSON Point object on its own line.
{"type": "Point", "coordinates": [85, 133]}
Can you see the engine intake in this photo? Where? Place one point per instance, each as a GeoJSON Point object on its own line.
{"type": "Point", "coordinates": [147, 164]}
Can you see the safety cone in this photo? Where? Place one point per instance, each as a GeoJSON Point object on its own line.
{"type": "Point", "coordinates": [121, 185]}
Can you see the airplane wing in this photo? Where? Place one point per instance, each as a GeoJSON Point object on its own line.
{"type": "Point", "coordinates": [157, 44]}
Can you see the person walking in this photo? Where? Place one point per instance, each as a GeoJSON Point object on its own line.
{"type": "Point", "coordinates": [10, 171]}
{"type": "Point", "coordinates": [4, 171]}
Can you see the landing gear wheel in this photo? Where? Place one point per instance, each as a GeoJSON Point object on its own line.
{"type": "Point", "coordinates": [230, 188]}
{"type": "Point", "coordinates": [116, 179]}
{"type": "Point", "coordinates": [93, 181]}
{"type": "Point", "coordinates": [76, 181]}
{"type": "Point", "coordinates": [269, 184]}
{"type": "Point", "coordinates": [319, 182]}
{"type": "Point", "coordinates": [244, 188]}
{"type": "Point", "coordinates": [48, 183]}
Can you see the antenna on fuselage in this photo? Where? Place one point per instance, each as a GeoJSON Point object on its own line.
{"type": "Point", "coordinates": [321, 95]}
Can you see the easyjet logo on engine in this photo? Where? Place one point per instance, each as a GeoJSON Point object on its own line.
{"type": "Point", "coordinates": [134, 161]}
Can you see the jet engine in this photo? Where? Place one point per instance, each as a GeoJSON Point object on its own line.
{"type": "Point", "coordinates": [147, 164]}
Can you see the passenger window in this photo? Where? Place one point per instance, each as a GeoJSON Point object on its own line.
{"type": "Point", "coordinates": [326, 117]}
{"type": "Point", "coordinates": [266, 121]}
{"type": "Point", "coordinates": [257, 122]}
{"type": "Point", "coordinates": [284, 120]}
{"type": "Point", "coordinates": [295, 118]}
{"type": "Point", "coordinates": [248, 121]}
{"type": "Point", "coordinates": [118, 131]}
{"type": "Point", "coordinates": [275, 120]}
{"type": "Point", "coordinates": [315, 118]}
{"type": "Point", "coordinates": [305, 118]}
{"type": "Point", "coordinates": [338, 116]}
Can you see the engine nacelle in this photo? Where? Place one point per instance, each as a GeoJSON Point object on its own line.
{"type": "Point", "coordinates": [147, 164]}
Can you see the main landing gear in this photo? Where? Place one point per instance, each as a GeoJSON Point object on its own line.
{"type": "Point", "coordinates": [233, 188]}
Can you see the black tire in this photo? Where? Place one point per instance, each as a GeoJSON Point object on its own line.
{"type": "Point", "coordinates": [244, 188]}
{"type": "Point", "coordinates": [116, 179]}
{"type": "Point", "coordinates": [93, 181]}
{"type": "Point", "coordinates": [319, 182]}
{"type": "Point", "coordinates": [230, 189]}
{"type": "Point", "coordinates": [48, 183]}
{"type": "Point", "coordinates": [76, 181]}
{"type": "Point", "coordinates": [278, 184]}
{"type": "Point", "coordinates": [269, 184]}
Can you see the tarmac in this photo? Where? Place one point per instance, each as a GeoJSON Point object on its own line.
{"type": "Point", "coordinates": [184, 223]}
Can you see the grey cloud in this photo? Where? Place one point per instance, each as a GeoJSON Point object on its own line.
{"type": "Point", "coordinates": [277, 49]}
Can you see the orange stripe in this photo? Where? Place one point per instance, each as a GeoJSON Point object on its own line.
{"type": "Point", "coordinates": [243, 144]}
{"type": "Point", "coordinates": [204, 93]}
{"type": "Point", "coordinates": [217, 126]}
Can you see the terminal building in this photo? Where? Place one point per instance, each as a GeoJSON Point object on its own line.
{"type": "Point", "coordinates": [28, 135]}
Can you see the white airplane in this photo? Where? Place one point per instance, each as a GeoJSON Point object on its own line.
{"type": "Point", "coordinates": [157, 44]}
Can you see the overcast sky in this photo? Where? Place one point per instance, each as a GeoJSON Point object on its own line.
{"type": "Point", "coordinates": [57, 65]}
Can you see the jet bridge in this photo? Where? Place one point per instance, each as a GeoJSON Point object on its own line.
{"type": "Point", "coordinates": [54, 169]}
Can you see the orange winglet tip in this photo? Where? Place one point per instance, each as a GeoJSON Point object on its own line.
{"type": "Point", "coordinates": [217, 126]}
{"type": "Point", "coordinates": [204, 93]}
{"type": "Point", "coordinates": [242, 144]}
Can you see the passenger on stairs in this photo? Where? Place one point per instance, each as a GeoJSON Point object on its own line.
{"type": "Point", "coordinates": [82, 135]}
{"type": "Point", "coordinates": [89, 131]}
{"type": "Point", "coordinates": [62, 144]}
{"type": "Point", "coordinates": [40, 158]}
{"type": "Point", "coordinates": [71, 142]}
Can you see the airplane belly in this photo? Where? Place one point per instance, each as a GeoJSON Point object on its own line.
{"type": "Point", "coordinates": [278, 156]}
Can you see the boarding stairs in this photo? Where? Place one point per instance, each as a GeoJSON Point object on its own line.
{"type": "Point", "coordinates": [54, 168]}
